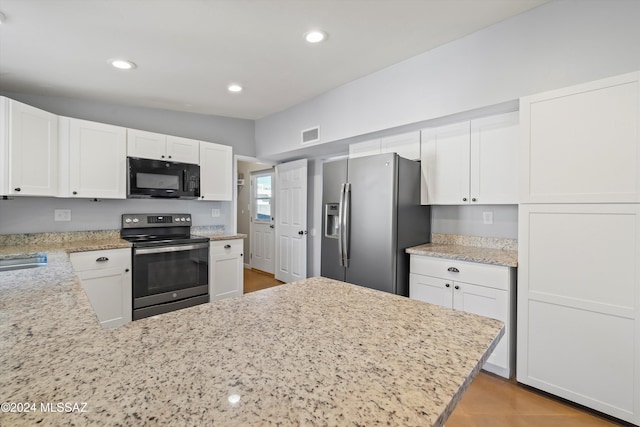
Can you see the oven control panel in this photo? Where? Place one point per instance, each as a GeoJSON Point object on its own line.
{"type": "Point", "coordinates": [155, 220]}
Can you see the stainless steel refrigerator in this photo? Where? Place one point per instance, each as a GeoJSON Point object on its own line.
{"type": "Point", "coordinates": [371, 214]}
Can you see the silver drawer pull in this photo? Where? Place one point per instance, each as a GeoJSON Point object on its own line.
{"type": "Point", "coordinates": [227, 246]}
{"type": "Point", "coordinates": [102, 259]}
{"type": "Point", "coordinates": [453, 270]}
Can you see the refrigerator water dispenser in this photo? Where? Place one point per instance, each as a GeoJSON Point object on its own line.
{"type": "Point", "coordinates": [331, 223]}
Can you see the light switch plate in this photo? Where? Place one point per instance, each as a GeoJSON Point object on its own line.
{"type": "Point", "coordinates": [62, 215]}
{"type": "Point", "coordinates": [215, 213]}
{"type": "Point", "coordinates": [487, 218]}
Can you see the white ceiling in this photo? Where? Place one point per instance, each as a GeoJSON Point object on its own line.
{"type": "Point", "coordinates": [188, 51]}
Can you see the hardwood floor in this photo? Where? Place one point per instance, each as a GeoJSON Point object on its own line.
{"type": "Point", "coordinates": [254, 280]}
{"type": "Point", "coordinates": [491, 401]}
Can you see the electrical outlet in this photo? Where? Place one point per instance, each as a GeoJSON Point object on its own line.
{"type": "Point", "coordinates": [487, 218]}
{"type": "Point", "coordinates": [215, 213]}
{"type": "Point", "coordinates": [62, 215]}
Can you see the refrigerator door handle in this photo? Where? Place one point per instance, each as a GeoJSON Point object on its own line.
{"type": "Point", "coordinates": [341, 225]}
{"type": "Point", "coordinates": [346, 225]}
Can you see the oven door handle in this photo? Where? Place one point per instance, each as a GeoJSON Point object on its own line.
{"type": "Point", "coordinates": [163, 249]}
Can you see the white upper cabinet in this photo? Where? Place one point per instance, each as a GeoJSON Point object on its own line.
{"type": "Point", "coordinates": [582, 144]}
{"type": "Point", "coordinates": [216, 171]}
{"type": "Point", "coordinates": [94, 159]}
{"type": "Point", "coordinates": [365, 148]}
{"type": "Point", "coordinates": [494, 159]}
{"type": "Point", "coordinates": [472, 162]}
{"type": "Point", "coordinates": [29, 148]}
{"type": "Point", "coordinates": [406, 145]}
{"type": "Point", "coordinates": [445, 165]}
{"type": "Point", "coordinates": [183, 149]}
{"type": "Point", "coordinates": [150, 145]}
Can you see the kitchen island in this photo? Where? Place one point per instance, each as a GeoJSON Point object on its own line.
{"type": "Point", "coordinates": [314, 352]}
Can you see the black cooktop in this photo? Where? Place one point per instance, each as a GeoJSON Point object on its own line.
{"type": "Point", "coordinates": [158, 229]}
{"type": "Point", "coordinates": [164, 240]}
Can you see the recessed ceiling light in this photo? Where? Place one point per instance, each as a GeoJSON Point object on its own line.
{"type": "Point", "coordinates": [315, 36]}
{"type": "Point", "coordinates": [234, 88]}
{"type": "Point", "coordinates": [122, 64]}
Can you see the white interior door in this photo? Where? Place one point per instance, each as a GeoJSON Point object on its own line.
{"type": "Point", "coordinates": [291, 221]}
{"type": "Point", "coordinates": [262, 225]}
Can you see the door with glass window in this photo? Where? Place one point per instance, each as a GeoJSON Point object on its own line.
{"type": "Point", "coordinates": [262, 221]}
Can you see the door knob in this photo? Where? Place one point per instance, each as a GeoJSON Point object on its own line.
{"type": "Point", "coordinates": [301, 232]}
{"type": "Point", "coordinates": [271, 226]}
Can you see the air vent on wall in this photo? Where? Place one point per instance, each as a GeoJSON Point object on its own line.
{"type": "Point", "coordinates": [311, 135]}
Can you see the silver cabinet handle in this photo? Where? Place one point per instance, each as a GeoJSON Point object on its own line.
{"type": "Point", "coordinates": [102, 259]}
{"type": "Point", "coordinates": [143, 251]}
{"type": "Point", "coordinates": [453, 270]}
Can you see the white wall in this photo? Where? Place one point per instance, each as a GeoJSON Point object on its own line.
{"type": "Point", "coordinates": [35, 214]}
{"type": "Point", "coordinates": [468, 221]}
{"type": "Point", "coordinates": [558, 44]}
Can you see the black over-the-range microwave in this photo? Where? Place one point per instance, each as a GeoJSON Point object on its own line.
{"type": "Point", "coordinates": [157, 178]}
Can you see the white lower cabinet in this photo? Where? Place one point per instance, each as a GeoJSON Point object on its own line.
{"type": "Point", "coordinates": [226, 278]}
{"type": "Point", "coordinates": [106, 279]}
{"type": "Point", "coordinates": [579, 304]}
{"type": "Point", "coordinates": [482, 289]}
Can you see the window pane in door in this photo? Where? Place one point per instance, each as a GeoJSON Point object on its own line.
{"type": "Point", "coordinates": [263, 209]}
{"type": "Point", "coordinates": [263, 186]}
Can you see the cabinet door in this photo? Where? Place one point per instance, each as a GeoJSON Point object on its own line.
{"type": "Point", "coordinates": [216, 171]}
{"type": "Point", "coordinates": [146, 145]}
{"type": "Point", "coordinates": [109, 292]}
{"type": "Point", "coordinates": [488, 302]}
{"type": "Point", "coordinates": [494, 159]}
{"type": "Point", "coordinates": [98, 160]}
{"type": "Point", "coordinates": [582, 144]}
{"type": "Point", "coordinates": [431, 289]}
{"type": "Point", "coordinates": [445, 165]}
{"type": "Point", "coordinates": [366, 148]}
{"type": "Point", "coordinates": [407, 145]}
{"type": "Point", "coordinates": [226, 270]}
{"type": "Point", "coordinates": [33, 139]}
{"type": "Point", "coordinates": [579, 305]}
{"type": "Point", "coordinates": [183, 150]}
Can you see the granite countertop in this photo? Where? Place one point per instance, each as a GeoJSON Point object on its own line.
{"type": "Point", "coordinates": [467, 253]}
{"type": "Point", "coordinates": [470, 248]}
{"type": "Point", "coordinates": [315, 352]}
{"type": "Point", "coordinates": [12, 251]}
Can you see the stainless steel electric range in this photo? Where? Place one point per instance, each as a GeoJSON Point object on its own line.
{"type": "Point", "coordinates": [170, 266]}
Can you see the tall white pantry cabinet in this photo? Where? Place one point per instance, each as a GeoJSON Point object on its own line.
{"type": "Point", "coordinates": [579, 245]}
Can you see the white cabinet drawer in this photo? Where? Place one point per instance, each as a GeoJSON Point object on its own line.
{"type": "Point", "coordinates": [99, 260]}
{"type": "Point", "coordinates": [493, 276]}
{"type": "Point", "coordinates": [226, 247]}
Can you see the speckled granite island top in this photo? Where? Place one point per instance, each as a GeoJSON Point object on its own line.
{"type": "Point", "coordinates": [315, 352]}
